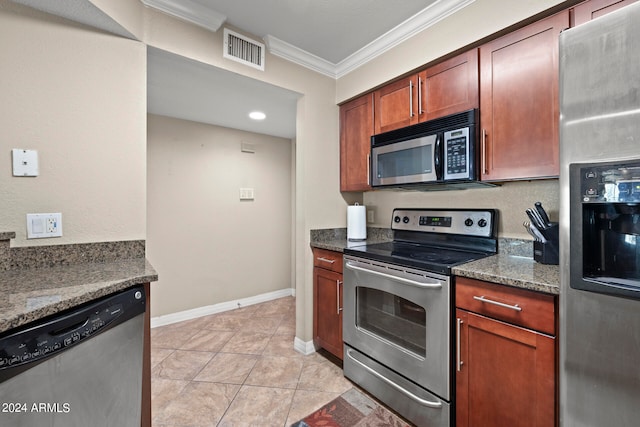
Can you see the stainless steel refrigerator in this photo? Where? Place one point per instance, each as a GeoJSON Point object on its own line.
{"type": "Point", "coordinates": [600, 221]}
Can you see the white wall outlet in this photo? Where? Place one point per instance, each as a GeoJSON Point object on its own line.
{"type": "Point", "coordinates": [25, 162]}
{"type": "Point", "coordinates": [45, 225]}
{"type": "Point", "coordinates": [246, 194]}
{"type": "Point", "coordinates": [370, 216]}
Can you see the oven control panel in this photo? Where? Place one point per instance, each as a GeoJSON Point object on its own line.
{"type": "Point", "coordinates": [468, 222]}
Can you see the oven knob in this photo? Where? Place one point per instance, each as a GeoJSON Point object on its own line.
{"type": "Point", "coordinates": [468, 222]}
{"type": "Point", "coordinates": [405, 220]}
{"type": "Point", "coordinates": [482, 222]}
{"type": "Point", "coordinates": [396, 219]}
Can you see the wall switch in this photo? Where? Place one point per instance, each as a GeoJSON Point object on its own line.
{"type": "Point", "coordinates": [370, 216]}
{"type": "Point", "coordinates": [246, 194]}
{"type": "Point", "coordinates": [247, 147]}
{"type": "Point", "coordinates": [41, 226]}
{"type": "Point", "coordinates": [25, 162]}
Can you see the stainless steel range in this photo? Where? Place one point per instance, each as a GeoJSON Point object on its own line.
{"type": "Point", "coordinates": [398, 304]}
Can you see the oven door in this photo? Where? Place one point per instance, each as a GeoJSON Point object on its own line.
{"type": "Point", "coordinates": [399, 317]}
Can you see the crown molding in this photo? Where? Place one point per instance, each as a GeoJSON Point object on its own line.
{"type": "Point", "coordinates": [436, 12]}
{"type": "Point", "coordinates": [189, 11]}
{"type": "Point", "coordinates": [211, 20]}
{"type": "Point", "coordinates": [301, 57]}
{"type": "Point", "coordinates": [424, 19]}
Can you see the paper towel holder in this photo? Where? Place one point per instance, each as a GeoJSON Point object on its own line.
{"type": "Point", "coordinates": [356, 223]}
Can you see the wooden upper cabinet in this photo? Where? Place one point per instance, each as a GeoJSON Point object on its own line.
{"type": "Point", "coordinates": [356, 128]}
{"type": "Point", "coordinates": [449, 87]}
{"type": "Point", "coordinates": [396, 105]}
{"type": "Point", "coordinates": [446, 88]}
{"type": "Point", "coordinates": [589, 10]}
{"type": "Point", "coordinates": [519, 102]}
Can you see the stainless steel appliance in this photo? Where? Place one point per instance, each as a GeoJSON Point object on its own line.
{"type": "Point", "coordinates": [438, 151]}
{"type": "Point", "coordinates": [80, 368]}
{"type": "Point", "coordinates": [397, 308]}
{"type": "Point", "coordinates": [599, 216]}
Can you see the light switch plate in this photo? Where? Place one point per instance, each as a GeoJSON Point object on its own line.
{"type": "Point", "coordinates": [45, 225]}
{"type": "Point", "coordinates": [25, 162]}
{"type": "Point", "coordinates": [246, 194]}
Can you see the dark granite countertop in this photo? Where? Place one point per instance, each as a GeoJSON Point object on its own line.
{"type": "Point", "coordinates": [38, 281]}
{"type": "Point", "coordinates": [517, 271]}
{"type": "Point", "coordinates": [513, 266]}
{"type": "Point", "coordinates": [335, 239]}
{"type": "Point", "coordinates": [30, 294]}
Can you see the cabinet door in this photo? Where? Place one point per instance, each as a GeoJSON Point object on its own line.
{"type": "Point", "coordinates": [519, 102]}
{"type": "Point", "coordinates": [592, 9]}
{"type": "Point", "coordinates": [396, 105]}
{"type": "Point", "coordinates": [449, 87]}
{"type": "Point", "coordinates": [356, 128]}
{"type": "Point", "coordinates": [327, 310]}
{"type": "Point", "coordinates": [505, 374]}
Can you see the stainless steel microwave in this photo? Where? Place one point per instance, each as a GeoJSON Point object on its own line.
{"type": "Point", "coordinates": [438, 151]}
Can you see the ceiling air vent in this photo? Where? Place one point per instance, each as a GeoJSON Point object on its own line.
{"type": "Point", "coordinates": [242, 49]}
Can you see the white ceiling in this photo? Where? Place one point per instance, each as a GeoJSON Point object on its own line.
{"type": "Point", "coordinates": [329, 29]}
{"type": "Point", "coordinates": [328, 36]}
{"type": "Point", "coordinates": [191, 90]}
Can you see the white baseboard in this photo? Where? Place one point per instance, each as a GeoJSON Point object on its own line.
{"type": "Point", "coordinates": [194, 313]}
{"type": "Point", "coordinates": [304, 347]}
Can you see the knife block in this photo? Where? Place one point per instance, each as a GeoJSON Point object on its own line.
{"type": "Point", "coordinates": [548, 252]}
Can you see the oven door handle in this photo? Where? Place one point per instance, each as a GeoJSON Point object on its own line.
{"type": "Point", "coordinates": [401, 389]}
{"type": "Point", "coordinates": [396, 278]}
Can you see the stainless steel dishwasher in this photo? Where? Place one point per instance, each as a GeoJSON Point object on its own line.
{"type": "Point", "coordinates": [79, 368]}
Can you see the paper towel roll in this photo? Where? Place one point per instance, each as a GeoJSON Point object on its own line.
{"type": "Point", "coordinates": [356, 222]}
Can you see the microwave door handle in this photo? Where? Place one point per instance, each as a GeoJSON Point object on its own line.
{"type": "Point", "coordinates": [438, 157]}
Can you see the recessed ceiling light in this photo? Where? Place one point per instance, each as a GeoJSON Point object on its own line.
{"type": "Point", "coordinates": [257, 115]}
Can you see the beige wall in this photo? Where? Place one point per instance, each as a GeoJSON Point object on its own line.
{"type": "Point", "coordinates": [78, 97]}
{"type": "Point", "coordinates": [511, 199]}
{"type": "Point", "coordinates": [318, 202]}
{"type": "Point", "coordinates": [209, 246]}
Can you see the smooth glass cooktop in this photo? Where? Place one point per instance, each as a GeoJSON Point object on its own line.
{"type": "Point", "coordinates": [432, 258]}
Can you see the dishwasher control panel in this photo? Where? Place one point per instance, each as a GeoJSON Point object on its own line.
{"type": "Point", "coordinates": [42, 339]}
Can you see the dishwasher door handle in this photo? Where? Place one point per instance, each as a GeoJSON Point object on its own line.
{"type": "Point", "coordinates": [436, 285]}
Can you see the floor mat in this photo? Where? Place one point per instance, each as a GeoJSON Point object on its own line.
{"type": "Point", "coordinates": [352, 409]}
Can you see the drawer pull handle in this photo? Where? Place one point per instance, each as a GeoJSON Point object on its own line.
{"type": "Point", "coordinates": [330, 261]}
{"type": "Point", "coordinates": [515, 307]}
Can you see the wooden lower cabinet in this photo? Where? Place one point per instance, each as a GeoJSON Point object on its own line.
{"type": "Point", "coordinates": [505, 373]}
{"type": "Point", "coordinates": [327, 301]}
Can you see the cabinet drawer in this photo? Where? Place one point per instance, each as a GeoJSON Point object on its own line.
{"type": "Point", "coordinates": [329, 260]}
{"type": "Point", "coordinates": [520, 307]}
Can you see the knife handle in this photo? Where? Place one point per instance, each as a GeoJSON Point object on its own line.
{"type": "Point", "coordinates": [543, 214]}
{"type": "Point", "coordinates": [535, 219]}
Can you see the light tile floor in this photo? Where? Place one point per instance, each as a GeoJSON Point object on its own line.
{"type": "Point", "coordinates": [238, 368]}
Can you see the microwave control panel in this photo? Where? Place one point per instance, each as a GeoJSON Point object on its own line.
{"type": "Point", "coordinates": [609, 182]}
{"type": "Point", "coordinates": [456, 154]}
